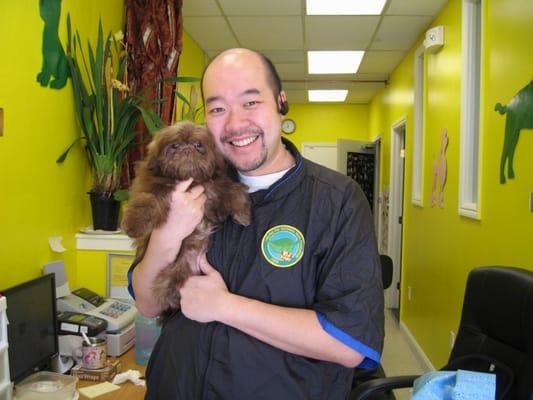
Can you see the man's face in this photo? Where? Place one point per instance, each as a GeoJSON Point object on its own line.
{"type": "Point", "coordinates": [241, 112]}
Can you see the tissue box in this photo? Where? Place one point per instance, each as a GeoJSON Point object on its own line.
{"type": "Point", "coordinates": [46, 386]}
{"type": "Point", "coordinates": [107, 373]}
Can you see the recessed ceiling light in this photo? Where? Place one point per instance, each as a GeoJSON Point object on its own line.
{"type": "Point", "coordinates": [327, 95]}
{"type": "Point", "coordinates": [334, 62]}
{"type": "Point", "coordinates": [345, 7]}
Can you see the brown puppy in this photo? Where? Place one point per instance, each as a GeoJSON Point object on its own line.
{"type": "Point", "coordinates": [176, 153]}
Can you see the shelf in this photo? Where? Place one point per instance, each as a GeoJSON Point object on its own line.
{"type": "Point", "coordinates": [116, 241]}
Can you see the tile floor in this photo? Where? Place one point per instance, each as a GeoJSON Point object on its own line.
{"type": "Point", "coordinates": [398, 358]}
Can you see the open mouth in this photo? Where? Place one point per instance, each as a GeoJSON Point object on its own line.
{"type": "Point", "coordinates": [244, 142]}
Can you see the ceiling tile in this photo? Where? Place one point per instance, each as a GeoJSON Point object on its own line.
{"type": "Point", "coordinates": [294, 86]}
{"type": "Point", "coordinates": [211, 33]}
{"type": "Point", "coordinates": [276, 28]}
{"type": "Point", "coordinates": [286, 56]}
{"type": "Point", "coordinates": [201, 8]}
{"type": "Point", "coordinates": [380, 62]}
{"type": "Point", "coordinates": [399, 33]}
{"type": "Point", "coordinates": [415, 7]}
{"type": "Point", "coordinates": [339, 32]}
{"type": "Point", "coordinates": [363, 92]}
{"type": "Point", "coordinates": [371, 77]}
{"type": "Point", "coordinates": [268, 33]}
{"type": "Point", "coordinates": [270, 7]}
{"type": "Point", "coordinates": [296, 96]}
{"type": "Point", "coordinates": [290, 71]}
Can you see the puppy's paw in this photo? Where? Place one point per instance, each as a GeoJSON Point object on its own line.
{"type": "Point", "coordinates": [139, 216]}
{"type": "Point", "coordinates": [243, 217]}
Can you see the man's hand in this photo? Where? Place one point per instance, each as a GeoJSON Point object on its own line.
{"type": "Point", "coordinates": [203, 296]}
{"type": "Point", "coordinates": [186, 209]}
{"type": "Point", "coordinates": [186, 212]}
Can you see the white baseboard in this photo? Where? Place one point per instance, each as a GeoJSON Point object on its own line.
{"type": "Point", "coordinates": [417, 350]}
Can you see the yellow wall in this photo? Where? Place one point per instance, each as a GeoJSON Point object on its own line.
{"type": "Point", "coordinates": [440, 247]}
{"type": "Point", "coordinates": [192, 62]}
{"type": "Point", "coordinates": [328, 122]}
{"type": "Point", "coordinates": [39, 198]}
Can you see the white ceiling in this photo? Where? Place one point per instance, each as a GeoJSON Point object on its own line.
{"type": "Point", "coordinates": [281, 30]}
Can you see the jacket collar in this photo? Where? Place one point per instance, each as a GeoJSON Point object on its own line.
{"type": "Point", "coordinates": [286, 183]}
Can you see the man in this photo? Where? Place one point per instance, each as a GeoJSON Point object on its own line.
{"type": "Point", "coordinates": [288, 306]}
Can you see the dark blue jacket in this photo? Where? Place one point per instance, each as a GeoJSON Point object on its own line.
{"type": "Point", "coordinates": [338, 276]}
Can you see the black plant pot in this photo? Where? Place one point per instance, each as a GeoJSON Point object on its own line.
{"type": "Point", "coordinates": [105, 212]}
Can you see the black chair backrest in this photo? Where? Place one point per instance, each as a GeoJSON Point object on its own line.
{"type": "Point", "coordinates": [386, 270]}
{"type": "Point", "coordinates": [496, 329]}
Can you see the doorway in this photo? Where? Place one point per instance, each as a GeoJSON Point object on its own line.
{"type": "Point", "coordinates": [322, 153]}
{"type": "Point", "coordinates": [397, 167]}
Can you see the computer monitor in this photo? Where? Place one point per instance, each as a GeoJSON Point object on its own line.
{"type": "Point", "coordinates": [32, 328]}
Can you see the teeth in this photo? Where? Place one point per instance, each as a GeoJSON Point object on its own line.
{"type": "Point", "coordinates": [244, 142]}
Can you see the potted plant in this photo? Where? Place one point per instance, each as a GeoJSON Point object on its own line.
{"type": "Point", "coordinates": [107, 114]}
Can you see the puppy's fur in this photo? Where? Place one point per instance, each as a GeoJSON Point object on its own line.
{"type": "Point", "coordinates": [176, 153]}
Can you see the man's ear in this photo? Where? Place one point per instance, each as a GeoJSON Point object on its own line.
{"type": "Point", "coordinates": [283, 105]}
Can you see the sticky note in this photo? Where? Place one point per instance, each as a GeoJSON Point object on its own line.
{"type": "Point", "coordinates": [98, 390]}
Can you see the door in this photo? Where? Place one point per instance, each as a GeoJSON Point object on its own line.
{"type": "Point", "coordinates": [357, 160]}
{"type": "Point", "coordinates": [392, 295]}
{"type": "Point", "coordinates": [322, 153]}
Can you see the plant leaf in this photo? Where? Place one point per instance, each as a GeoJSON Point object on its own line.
{"type": "Point", "coordinates": [63, 156]}
{"type": "Point", "coordinates": [121, 195]}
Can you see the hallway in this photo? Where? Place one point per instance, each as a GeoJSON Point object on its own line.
{"type": "Point", "coordinates": [398, 358]}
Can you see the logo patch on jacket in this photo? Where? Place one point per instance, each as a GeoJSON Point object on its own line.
{"type": "Point", "coordinates": [283, 246]}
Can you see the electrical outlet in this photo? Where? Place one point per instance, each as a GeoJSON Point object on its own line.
{"type": "Point", "coordinates": [452, 339]}
{"type": "Point", "coordinates": [409, 293]}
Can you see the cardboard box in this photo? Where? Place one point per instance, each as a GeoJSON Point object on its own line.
{"type": "Point", "coordinates": [107, 373]}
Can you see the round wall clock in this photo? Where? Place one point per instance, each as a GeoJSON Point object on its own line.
{"type": "Point", "coordinates": [288, 126]}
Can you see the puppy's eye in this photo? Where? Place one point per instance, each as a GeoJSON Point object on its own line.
{"type": "Point", "coordinates": [175, 146]}
{"type": "Point", "coordinates": [197, 145]}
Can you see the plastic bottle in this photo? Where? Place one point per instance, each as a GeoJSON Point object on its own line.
{"type": "Point", "coordinates": [147, 332]}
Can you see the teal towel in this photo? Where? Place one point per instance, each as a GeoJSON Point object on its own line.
{"type": "Point", "coordinates": [455, 385]}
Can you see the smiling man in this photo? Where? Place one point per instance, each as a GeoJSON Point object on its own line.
{"type": "Point", "coordinates": [288, 306]}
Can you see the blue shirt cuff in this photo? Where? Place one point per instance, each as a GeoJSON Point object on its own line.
{"type": "Point", "coordinates": [372, 357]}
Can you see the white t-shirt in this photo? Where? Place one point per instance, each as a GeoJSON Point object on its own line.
{"type": "Point", "coordinates": [256, 183]}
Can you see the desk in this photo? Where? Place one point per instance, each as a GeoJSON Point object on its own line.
{"type": "Point", "coordinates": [127, 391]}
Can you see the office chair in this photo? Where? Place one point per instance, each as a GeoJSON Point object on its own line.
{"type": "Point", "coordinates": [363, 375]}
{"type": "Point", "coordinates": [495, 335]}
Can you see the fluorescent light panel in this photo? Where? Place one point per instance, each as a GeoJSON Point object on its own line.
{"type": "Point", "coordinates": [327, 95]}
{"type": "Point", "coordinates": [345, 7]}
{"type": "Point", "coordinates": [334, 62]}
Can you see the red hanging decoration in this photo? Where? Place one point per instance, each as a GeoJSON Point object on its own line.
{"type": "Point", "coordinates": [153, 36]}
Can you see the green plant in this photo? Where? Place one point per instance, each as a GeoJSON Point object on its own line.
{"type": "Point", "coordinates": [106, 111]}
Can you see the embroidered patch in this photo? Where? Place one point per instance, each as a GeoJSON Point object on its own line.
{"type": "Point", "coordinates": [283, 246]}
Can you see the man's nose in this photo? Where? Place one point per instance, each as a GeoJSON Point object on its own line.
{"type": "Point", "coordinates": [236, 120]}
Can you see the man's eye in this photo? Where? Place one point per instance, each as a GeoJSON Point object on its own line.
{"type": "Point", "coordinates": [216, 110]}
{"type": "Point", "coordinates": [251, 103]}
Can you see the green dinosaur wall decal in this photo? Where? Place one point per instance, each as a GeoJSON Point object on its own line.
{"type": "Point", "coordinates": [54, 60]}
{"type": "Point", "coordinates": [519, 116]}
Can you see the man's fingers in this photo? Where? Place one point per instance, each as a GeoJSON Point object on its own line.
{"type": "Point", "coordinates": [182, 186]}
{"type": "Point", "coordinates": [196, 191]}
{"type": "Point", "coordinates": [204, 265]}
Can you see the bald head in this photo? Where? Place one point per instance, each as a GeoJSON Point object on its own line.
{"type": "Point", "coordinates": [249, 58]}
